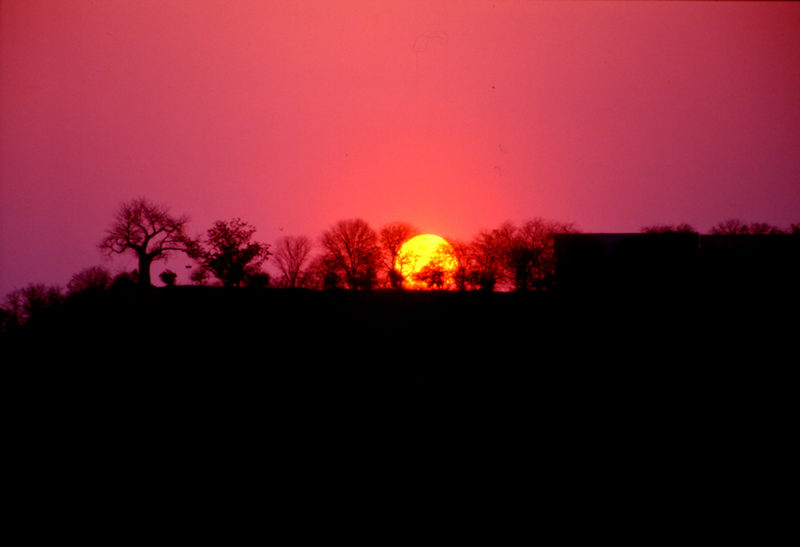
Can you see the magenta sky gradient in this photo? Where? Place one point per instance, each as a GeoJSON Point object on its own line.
{"type": "Point", "coordinates": [454, 116]}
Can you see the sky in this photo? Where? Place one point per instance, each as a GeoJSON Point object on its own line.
{"type": "Point", "coordinates": [454, 116]}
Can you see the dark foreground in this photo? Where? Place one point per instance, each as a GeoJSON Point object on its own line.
{"type": "Point", "coordinates": [633, 395]}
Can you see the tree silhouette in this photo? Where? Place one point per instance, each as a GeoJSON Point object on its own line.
{"type": "Point", "coordinates": [433, 275]}
{"type": "Point", "coordinates": [463, 254]}
{"type": "Point", "coordinates": [149, 232]}
{"type": "Point", "coordinates": [27, 304]}
{"type": "Point", "coordinates": [291, 255]}
{"type": "Point", "coordinates": [324, 272]}
{"type": "Point", "coordinates": [528, 251]}
{"type": "Point", "coordinates": [199, 276]}
{"type": "Point", "coordinates": [257, 280]}
{"type": "Point", "coordinates": [392, 237]}
{"type": "Point", "coordinates": [734, 226]}
{"type": "Point", "coordinates": [764, 228]}
{"type": "Point", "coordinates": [435, 268]}
{"type": "Point", "coordinates": [486, 260]}
{"type": "Point", "coordinates": [95, 278]}
{"type": "Point", "coordinates": [669, 229]}
{"type": "Point", "coordinates": [124, 281]}
{"type": "Point", "coordinates": [351, 248]}
{"type": "Point", "coordinates": [231, 254]}
{"type": "Point", "coordinates": [731, 226]}
{"type": "Point", "coordinates": [168, 278]}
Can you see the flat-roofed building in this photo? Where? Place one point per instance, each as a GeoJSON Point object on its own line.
{"type": "Point", "coordinates": [677, 262]}
{"type": "Point", "coordinates": [628, 262]}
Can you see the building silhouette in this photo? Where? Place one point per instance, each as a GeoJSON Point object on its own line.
{"type": "Point", "coordinates": [676, 262]}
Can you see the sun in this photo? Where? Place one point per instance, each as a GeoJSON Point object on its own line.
{"type": "Point", "coordinates": [427, 261]}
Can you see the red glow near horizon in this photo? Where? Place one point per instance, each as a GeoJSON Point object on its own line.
{"type": "Point", "coordinates": [452, 116]}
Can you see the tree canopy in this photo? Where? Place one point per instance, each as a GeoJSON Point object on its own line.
{"type": "Point", "coordinates": [353, 252]}
{"type": "Point", "coordinates": [231, 254]}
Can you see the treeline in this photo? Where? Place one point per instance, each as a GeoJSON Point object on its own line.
{"type": "Point", "coordinates": [348, 255]}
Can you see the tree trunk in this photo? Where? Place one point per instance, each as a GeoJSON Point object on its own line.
{"type": "Point", "coordinates": [144, 270]}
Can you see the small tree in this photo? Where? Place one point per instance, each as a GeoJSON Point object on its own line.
{"type": "Point", "coordinates": [732, 226]}
{"type": "Point", "coordinates": [149, 232]}
{"type": "Point", "coordinates": [291, 255]}
{"type": "Point", "coordinates": [432, 275]}
{"type": "Point", "coordinates": [199, 276]}
{"type": "Point", "coordinates": [323, 273]}
{"type": "Point", "coordinates": [392, 237]}
{"type": "Point", "coordinates": [463, 254]}
{"type": "Point", "coordinates": [231, 255]}
{"type": "Point", "coordinates": [168, 278]}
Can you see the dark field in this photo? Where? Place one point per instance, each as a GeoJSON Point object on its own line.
{"type": "Point", "coordinates": [214, 402]}
{"type": "Point", "coordinates": [197, 344]}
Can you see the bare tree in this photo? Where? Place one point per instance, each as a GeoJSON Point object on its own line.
{"type": "Point", "coordinates": [732, 226]}
{"type": "Point", "coordinates": [28, 303]}
{"type": "Point", "coordinates": [764, 228]}
{"type": "Point", "coordinates": [149, 232]}
{"type": "Point", "coordinates": [486, 260]}
{"type": "Point", "coordinates": [463, 254]}
{"type": "Point", "coordinates": [324, 272]}
{"type": "Point", "coordinates": [352, 246]}
{"type": "Point", "coordinates": [528, 251]}
{"type": "Point", "coordinates": [681, 228]}
{"type": "Point", "coordinates": [291, 255]}
{"type": "Point", "coordinates": [232, 255]}
{"type": "Point", "coordinates": [432, 275]}
{"type": "Point", "coordinates": [392, 237]}
{"type": "Point", "coordinates": [441, 269]}
{"type": "Point", "coordinates": [15, 309]}
{"type": "Point", "coordinates": [95, 278]}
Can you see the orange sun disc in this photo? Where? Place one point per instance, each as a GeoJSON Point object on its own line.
{"type": "Point", "coordinates": [427, 261]}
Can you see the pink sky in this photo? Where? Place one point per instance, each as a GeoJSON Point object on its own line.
{"type": "Point", "coordinates": [453, 116]}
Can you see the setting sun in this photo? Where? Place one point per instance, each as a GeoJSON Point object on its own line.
{"type": "Point", "coordinates": [427, 261]}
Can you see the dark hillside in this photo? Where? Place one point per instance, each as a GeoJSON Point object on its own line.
{"type": "Point", "coordinates": [471, 346]}
{"type": "Point", "coordinates": [215, 392]}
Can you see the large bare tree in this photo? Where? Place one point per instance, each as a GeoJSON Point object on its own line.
{"type": "Point", "coordinates": [150, 232]}
{"type": "Point", "coordinates": [291, 255]}
{"type": "Point", "coordinates": [352, 245]}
